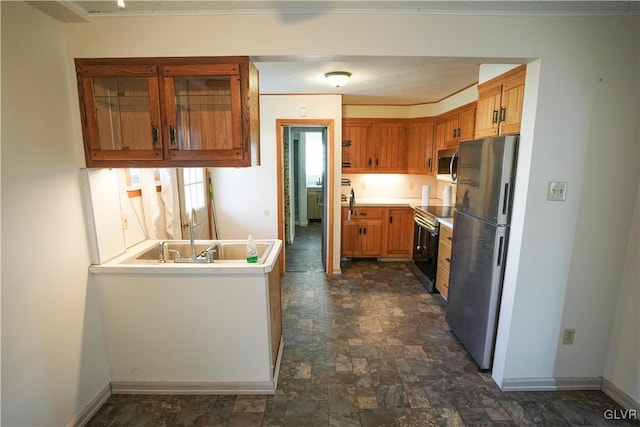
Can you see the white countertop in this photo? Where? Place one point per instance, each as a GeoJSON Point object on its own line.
{"type": "Point", "coordinates": [118, 266]}
{"type": "Point", "coordinates": [446, 221]}
{"type": "Point", "coordinates": [393, 201]}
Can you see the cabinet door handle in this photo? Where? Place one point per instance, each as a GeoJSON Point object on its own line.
{"type": "Point", "coordinates": [448, 260]}
{"type": "Point", "coordinates": [369, 162]}
{"type": "Point", "coordinates": [154, 134]}
{"type": "Point", "coordinates": [377, 161]}
{"type": "Point", "coordinates": [429, 161]}
{"type": "Point", "coordinates": [449, 238]}
{"type": "Point", "coordinates": [364, 231]}
{"type": "Point", "coordinates": [495, 116]}
{"type": "Point", "coordinates": [454, 133]}
{"type": "Point", "coordinates": [172, 135]}
{"type": "Point", "coordinates": [390, 220]}
{"type": "Point", "coordinates": [503, 114]}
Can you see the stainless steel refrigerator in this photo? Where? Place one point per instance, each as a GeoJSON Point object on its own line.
{"type": "Point", "coordinates": [484, 192]}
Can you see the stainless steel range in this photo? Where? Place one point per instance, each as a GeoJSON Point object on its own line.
{"type": "Point", "coordinates": [425, 240]}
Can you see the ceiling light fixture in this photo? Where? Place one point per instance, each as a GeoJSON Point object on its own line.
{"type": "Point", "coordinates": [120, 4]}
{"type": "Point", "coordinates": [337, 78]}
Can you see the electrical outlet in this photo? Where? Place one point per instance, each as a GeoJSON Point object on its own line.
{"type": "Point", "coordinates": [363, 185]}
{"type": "Point", "coordinates": [411, 186]}
{"type": "Point", "coordinates": [125, 222]}
{"type": "Point", "coordinates": [557, 191]}
{"type": "Point", "coordinates": [568, 336]}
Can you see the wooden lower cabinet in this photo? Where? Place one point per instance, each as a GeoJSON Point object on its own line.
{"type": "Point", "coordinates": [314, 203]}
{"type": "Point", "coordinates": [362, 233]}
{"type": "Point", "coordinates": [373, 232]}
{"type": "Point", "coordinates": [399, 232]}
{"type": "Point", "coordinates": [444, 260]}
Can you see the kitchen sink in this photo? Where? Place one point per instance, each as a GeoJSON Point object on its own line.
{"type": "Point", "coordinates": [180, 251]}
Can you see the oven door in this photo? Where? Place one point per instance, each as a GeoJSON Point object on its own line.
{"type": "Point", "coordinates": [425, 251]}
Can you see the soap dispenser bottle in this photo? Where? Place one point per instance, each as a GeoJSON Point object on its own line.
{"type": "Point", "coordinates": [252, 250]}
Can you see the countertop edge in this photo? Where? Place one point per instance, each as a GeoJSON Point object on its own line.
{"type": "Point", "coordinates": [446, 221]}
{"type": "Point", "coordinates": [115, 265]}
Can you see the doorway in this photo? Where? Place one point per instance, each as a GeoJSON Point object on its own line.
{"type": "Point", "coordinates": [306, 185]}
{"type": "Point", "coordinates": [192, 188]}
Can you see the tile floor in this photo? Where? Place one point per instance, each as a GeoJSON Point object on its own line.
{"type": "Point", "coordinates": [367, 348]}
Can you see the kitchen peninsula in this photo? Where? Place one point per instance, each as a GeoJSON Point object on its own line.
{"type": "Point", "coordinates": [200, 328]}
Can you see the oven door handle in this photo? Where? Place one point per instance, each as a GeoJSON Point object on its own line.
{"type": "Point", "coordinates": [428, 227]}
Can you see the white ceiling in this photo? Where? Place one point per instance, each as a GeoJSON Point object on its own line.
{"type": "Point", "coordinates": [375, 80]}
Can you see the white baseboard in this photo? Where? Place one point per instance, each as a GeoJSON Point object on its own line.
{"type": "Point", "coordinates": [192, 387]}
{"type": "Point", "coordinates": [622, 398]}
{"type": "Point", "coordinates": [276, 369]}
{"type": "Point", "coordinates": [92, 407]}
{"type": "Point", "coordinates": [550, 384]}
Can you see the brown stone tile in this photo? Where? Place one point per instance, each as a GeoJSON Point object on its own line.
{"type": "Point", "coordinates": [246, 419]}
{"type": "Point", "coordinates": [367, 348]}
{"type": "Point", "coordinates": [250, 403]}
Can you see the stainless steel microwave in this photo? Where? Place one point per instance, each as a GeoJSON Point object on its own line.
{"type": "Point", "coordinates": [447, 165]}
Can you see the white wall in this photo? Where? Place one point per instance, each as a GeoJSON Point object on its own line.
{"type": "Point", "coordinates": [323, 107]}
{"type": "Point", "coordinates": [53, 358]}
{"type": "Point", "coordinates": [576, 123]}
{"type": "Point", "coordinates": [581, 122]}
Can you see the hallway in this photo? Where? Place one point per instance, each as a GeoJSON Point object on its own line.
{"type": "Point", "coordinates": [304, 254]}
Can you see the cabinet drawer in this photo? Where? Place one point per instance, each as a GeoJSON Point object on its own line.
{"type": "Point", "coordinates": [367, 213]}
{"type": "Point", "coordinates": [444, 258]}
{"type": "Point", "coordinates": [444, 249]}
{"type": "Point", "coordinates": [446, 234]}
{"type": "Point", "coordinates": [442, 282]}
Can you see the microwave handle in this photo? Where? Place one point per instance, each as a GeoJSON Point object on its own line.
{"type": "Point", "coordinates": [454, 174]}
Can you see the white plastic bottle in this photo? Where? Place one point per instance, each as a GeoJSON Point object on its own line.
{"type": "Point", "coordinates": [252, 251]}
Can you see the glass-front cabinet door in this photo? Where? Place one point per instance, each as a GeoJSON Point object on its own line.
{"type": "Point", "coordinates": [120, 113]}
{"type": "Point", "coordinates": [203, 111]}
{"type": "Point", "coordinates": [169, 112]}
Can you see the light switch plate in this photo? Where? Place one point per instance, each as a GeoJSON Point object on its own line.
{"type": "Point", "coordinates": [557, 191]}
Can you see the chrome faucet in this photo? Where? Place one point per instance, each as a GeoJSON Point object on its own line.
{"type": "Point", "coordinates": [161, 252]}
{"type": "Point", "coordinates": [192, 220]}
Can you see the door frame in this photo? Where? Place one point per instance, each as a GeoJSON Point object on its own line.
{"type": "Point", "coordinates": [330, 184]}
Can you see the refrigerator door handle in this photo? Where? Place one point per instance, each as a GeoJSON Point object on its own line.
{"type": "Point", "coordinates": [505, 198]}
{"type": "Point", "coordinates": [499, 262]}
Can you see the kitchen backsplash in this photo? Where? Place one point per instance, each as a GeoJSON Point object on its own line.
{"type": "Point", "coordinates": [400, 186]}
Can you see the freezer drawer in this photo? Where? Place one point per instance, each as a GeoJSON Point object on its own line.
{"type": "Point", "coordinates": [475, 285]}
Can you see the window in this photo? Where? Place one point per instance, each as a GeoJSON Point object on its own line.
{"type": "Point", "coordinates": [194, 189]}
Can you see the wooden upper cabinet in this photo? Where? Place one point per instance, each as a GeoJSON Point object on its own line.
{"type": "Point", "coordinates": [512, 101]}
{"type": "Point", "coordinates": [374, 146]}
{"type": "Point", "coordinates": [390, 146]}
{"type": "Point", "coordinates": [420, 150]}
{"type": "Point", "coordinates": [500, 103]}
{"type": "Point", "coordinates": [152, 112]}
{"type": "Point", "coordinates": [488, 112]}
{"type": "Point", "coordinates": [455, 126]}
{"type": "Point", "coordinates": [120, 112]}
{"type": "Point", "coordinates": [466, 123]}
{"type": "Point", "coordinates": [357, 143]}
{"type": "Point", "coordinates": [203, 112]}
